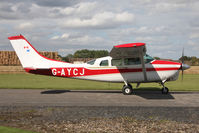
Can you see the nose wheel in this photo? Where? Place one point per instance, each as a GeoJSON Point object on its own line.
{"type": "Point", "coordinates": [165, 90]}
{"type": "Point", "coordinates": [127, 89]}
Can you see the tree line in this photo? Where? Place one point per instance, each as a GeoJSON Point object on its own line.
{"type": "Point", "coordinates": [85, 53]}
{"type": "Point", "coordinates": [192, 60]}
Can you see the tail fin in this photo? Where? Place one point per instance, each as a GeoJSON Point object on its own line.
{"type": "Point", "coordinates": [29, 56]}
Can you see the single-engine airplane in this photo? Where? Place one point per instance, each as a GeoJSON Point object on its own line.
{"type": "Point", "coordinates": [127, 63]}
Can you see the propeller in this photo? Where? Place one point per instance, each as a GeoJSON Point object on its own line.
{"type": "Point", "coordinates": [182, 62]}
{"type": "Point", "coordinates": [183, 66]}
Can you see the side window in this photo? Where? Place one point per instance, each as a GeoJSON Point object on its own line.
{"type": "Point", "coordinates": [132, 61]}
{"type": "Point", "coordinates": [91, 62]}
{"type": "Point", "coordinates": [104, 63]}
{"type": "Point", "coordinates": [116, 62]}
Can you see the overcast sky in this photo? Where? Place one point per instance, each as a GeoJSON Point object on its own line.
{"type": "Point", "coordinates": [65, 26]}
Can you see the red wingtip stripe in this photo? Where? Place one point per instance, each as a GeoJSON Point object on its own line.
{"type": "Point", "coordinates": [129, 45]}
{"type": "Point", "coordinates": [16, 37]}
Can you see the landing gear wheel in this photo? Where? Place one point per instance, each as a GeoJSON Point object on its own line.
{"type": "Point", "coordinates": [165, 90]}
{"type": "Point", "coordinates": [127, 90]}
{"type": "Point", "coordinates": [128, 85]}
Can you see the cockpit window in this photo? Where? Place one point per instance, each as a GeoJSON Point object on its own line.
{"type": "Point", "coordinates": [91, 62]}
{"type": "Point", "coordinates": [148, 58]}
{"type": "Point", "coordinates": [132, 61]}
{"type": "Point", "coordinates": [116, 62]}
{"type": "Point", "coordinates": [104, 63]}
{"type": "Point", "coordinates": [137, 60]}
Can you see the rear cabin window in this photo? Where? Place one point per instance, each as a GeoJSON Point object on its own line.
{"type": "Point", "coordinates": [116, 62]}
{"type": "Point", "coordinates": [104, 63]}
{"type": "Point", "coordinates": [132, 61]}
{"type": "Point", "coordinates": [91, 62]}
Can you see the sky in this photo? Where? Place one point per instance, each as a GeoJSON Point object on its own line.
{"type": "Point", "coordinates": [65, 26]}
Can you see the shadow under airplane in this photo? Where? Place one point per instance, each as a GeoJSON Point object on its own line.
{"type": "Point", "coordinates": [147, 93]}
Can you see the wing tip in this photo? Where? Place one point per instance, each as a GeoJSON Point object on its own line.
{"type": "Point", "coordinates": [128, 45]}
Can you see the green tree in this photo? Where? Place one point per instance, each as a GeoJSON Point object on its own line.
{"type": "Point", "coordinates": [192, 60]}
{"type": "Point", "coordinates": [66, 58]}
{"type": "Point", "coordinates": [85, 53]}
{"type": "Point", "coordinates": [157, 58]}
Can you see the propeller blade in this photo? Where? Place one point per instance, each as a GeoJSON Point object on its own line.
{"type": "Point", "coordinates": [183, 55]}
{"type": "Point", "coordinates": [182, 74]}
{"type": "Point", "coordinates": [182, 62]}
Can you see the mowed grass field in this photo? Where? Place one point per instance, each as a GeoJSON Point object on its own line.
{"type": "Point", "coordinates": [13, 130]}
{"type": "Point", "coordinates": [30, 81]}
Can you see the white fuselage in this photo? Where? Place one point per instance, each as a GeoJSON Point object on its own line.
{"type": "Point", "coordinates": [128, 70]}
{"type": "Point", "coordinates": [130, 73]}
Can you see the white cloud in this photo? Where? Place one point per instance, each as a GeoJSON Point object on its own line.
{"type": "Point", "coordinates": [144, 39]}
{"type": "Point", "coordinates": [63, 36]}
{"type": "Point", "coordinates": [194, 35]}
{"type": "Point", "coordinates": [100, 20]}
{"type": "Point", "coordinates": [53, 25]}
{"type": "Point", "coordinates": [55, 37]}
{"type": "Point", "coordinates": [168, 6]}
{"type": "Point", "coordinates": [80, 8]}
{"type": "Point", "coordinates": [24, 26]}
{"type": "Point", "coordinates": [151, 30]}
{"type": "Point", "coordinates": [85, 40]}
{"type": "Point", "coordinates": [77, 39]}
{"type": "Point", "coordinates": [191, 43]}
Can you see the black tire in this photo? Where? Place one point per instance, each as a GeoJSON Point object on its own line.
{"type": "Point", "coordinates": [127, 90]}
{"type": "Point", "coordinates": [128, 85]}
{"type": "Point", "coordinates": [165, 90]}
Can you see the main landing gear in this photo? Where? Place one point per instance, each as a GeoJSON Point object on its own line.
{"type": "Point", "coordinates": [165, 90]}
{"type": "Point", "coordinates": [127, 89]}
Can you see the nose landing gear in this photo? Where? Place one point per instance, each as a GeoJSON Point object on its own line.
{"type": "Point", "coordinates": [165, 90]}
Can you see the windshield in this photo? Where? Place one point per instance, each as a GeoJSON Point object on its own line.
{"type": "Point", "coordinates": [91, 62]}
{"type": "Point", "coordinates": [148, 58]}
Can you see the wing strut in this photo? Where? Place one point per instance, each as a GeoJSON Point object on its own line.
{"type": "Point", "coordinates": [143, 64]}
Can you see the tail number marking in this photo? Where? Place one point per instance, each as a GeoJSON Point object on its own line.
{"type": "Point", "coordinates": [68, 72]}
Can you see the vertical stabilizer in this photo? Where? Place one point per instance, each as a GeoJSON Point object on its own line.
{"type": "Point", "coordinates": [29, 56]}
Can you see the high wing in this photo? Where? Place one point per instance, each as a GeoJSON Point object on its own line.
{"type": "Point", "coordinates": [130, 50]}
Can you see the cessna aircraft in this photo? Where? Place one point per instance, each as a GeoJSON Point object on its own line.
{"type": "Point", "coordinates": [127, 63]}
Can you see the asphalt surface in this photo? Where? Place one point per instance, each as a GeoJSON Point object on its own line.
{"type": "Point", "coordinates": [30, 97]}
{"type": "Point", "coordinates": [58, 105]}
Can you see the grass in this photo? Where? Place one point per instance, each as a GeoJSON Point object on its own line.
{"type": "Point", "coordinates": [189, 83]}
{"type": "Point", "coordinates": [12, 130]}
{"type": "Point", "coordinates": [29, 81]}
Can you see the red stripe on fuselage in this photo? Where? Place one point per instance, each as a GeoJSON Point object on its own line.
{"type": "Point", "coordinates": [162, 62]}
{"type": "Point", "coordinates": [80, 71]}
